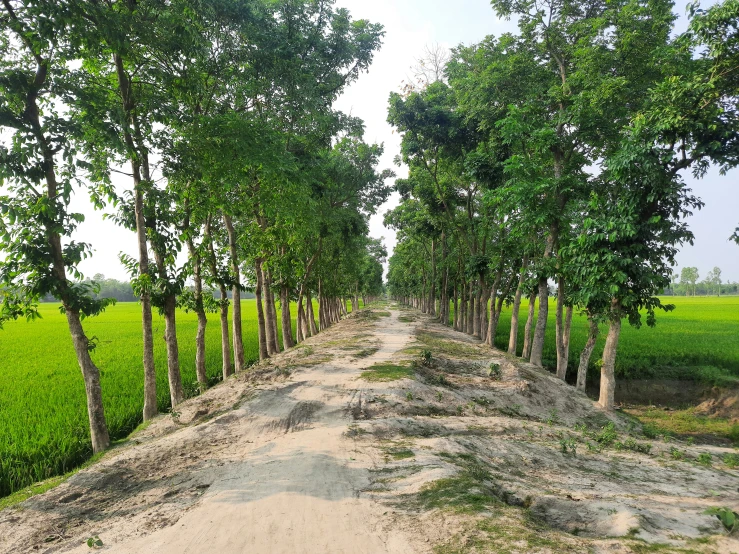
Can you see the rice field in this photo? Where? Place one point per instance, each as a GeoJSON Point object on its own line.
{"type": "Point", "coordinates": [43, 413]}
{"type": "Point", "coordinates": [700, 337]}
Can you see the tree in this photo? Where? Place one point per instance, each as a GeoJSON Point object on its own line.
{"type": "Point", "coordinates": [713, 280]}
{"type": "Point", "coordinates": [39, 170]}
{"type": "Point", "coordinates": [689, 277]}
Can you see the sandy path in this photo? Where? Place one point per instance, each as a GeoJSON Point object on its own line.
{"type": "Point", "coordinates": [299, 490]}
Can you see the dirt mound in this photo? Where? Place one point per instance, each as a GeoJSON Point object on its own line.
{"type": "Point", "coordinates": [722, 403]}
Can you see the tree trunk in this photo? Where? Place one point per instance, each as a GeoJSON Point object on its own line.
{"type": "Point", "coordinates": [150, 393]}
{"type": "Point", "coordinates": [562, 351]}
{"type": "Point", "coordinates": [537, 344]}
{"type": "Point", "coordinates": [456, 308]}
{"type": "Point", "coordinates": [225, 343]}
{"type": "Point", "coordinates": [309, 313]}
{"type": "Point", "coordinates": [526, 354]}
{"type": "Point", "coordinates": [176, 393]}
{"type": "Point", "coordinates": [608, 371]}
{"type": "Point", "coordinates": [582, 369]}
{"type": "Point", "coordinates": [301, 323]}
{"type": "Point", "coordinates": [432, 286]}
{"type": "Point", "coordinates": [200, 369]}
{"type": "Point", "coordinates": [91, 376]}
{"type": "Point", "coordinates": [490, 334]}
{"type": "Point", "coordinates": [238, 340]}
{"type": "Point", "coordinates": [286, 320]}
{"type": "Point", "coordinates": [270, 313]}
{"type": "Point", "coordinates": [262, 330]}
{"type": "Point", "coordinates": [513, 337]}
{"type": "Point", "coordinates": [463, 309]}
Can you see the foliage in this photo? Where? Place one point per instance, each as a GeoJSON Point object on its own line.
{"type": "Point", "coordinates": [728, 518]}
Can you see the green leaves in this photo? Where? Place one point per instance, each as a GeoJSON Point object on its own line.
{"type": "Point", "coordinates": [728, 518]}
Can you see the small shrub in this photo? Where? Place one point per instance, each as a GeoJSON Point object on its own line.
{"type": "Point", "coordinates": [568, 446]}
{"type": "Point", "coordinates": [425, 358]}
{"type": "Point", "coordinates": [704, 458]}
{"type": "Point", "coordinates": [728, 518]}
{"type": "Point", "coordinates": [553, 418]}
{"type": "Point", "coordinates": [631, 444]}
{"type": "Point", "coordinates": [94, 542]}
{"type": "Point", "coordinates": [409, 396]}
{"type": "Point", "coordinates": [494, 371]}
{"type": "Point", "coordinates": [732, 460]}
{"type": "Point", "coordinates": [439, 396]}
{"type": "Point", "coordinates": [607, 435]}
{"type": "Point", "coordinates": [676, 454]}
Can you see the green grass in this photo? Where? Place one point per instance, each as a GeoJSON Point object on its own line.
{"type": "Point", "coordinates": [685, 423]}
{"type": "Point", "coordinates": [387, 372]}
{"type": "Point", "coordinates": [699, 339]}
{"type": "Point", "coordinates": [440, 345]}
{"type": "Point", "coordinates": [43, 415]}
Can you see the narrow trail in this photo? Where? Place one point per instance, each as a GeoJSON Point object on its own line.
{"type": "Point", "coordinates": [299, 490]}
{"type": "Point", "coordinates": [277, 474]}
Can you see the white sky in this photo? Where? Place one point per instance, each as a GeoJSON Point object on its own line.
{"type": "Point", "coordinates": [409, 26]}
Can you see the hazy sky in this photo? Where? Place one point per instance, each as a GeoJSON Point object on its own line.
{"type": "Point", "coordinates": [409, 25]}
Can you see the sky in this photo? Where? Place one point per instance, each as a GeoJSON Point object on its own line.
{"type": "Point", "coordinates": [410, 25]}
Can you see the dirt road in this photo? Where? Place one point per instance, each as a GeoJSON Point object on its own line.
{"type": "Point", "coordinates": [345, 444]}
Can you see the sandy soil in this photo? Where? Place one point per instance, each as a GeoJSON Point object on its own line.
{"type": "Point", "coordinates": [304, 455]}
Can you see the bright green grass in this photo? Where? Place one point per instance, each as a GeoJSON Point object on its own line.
{"type": "Point", "coordinates": [43, 413]}
{"type": "Point", "coordinates": [387, 372]}
{"type": "Point", "coordinates": [700, 332]}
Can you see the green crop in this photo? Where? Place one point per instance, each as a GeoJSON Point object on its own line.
{"type": "Point", "coordinates": [696, 340]}
{"type": "Point", "coordinates": [43, 412]}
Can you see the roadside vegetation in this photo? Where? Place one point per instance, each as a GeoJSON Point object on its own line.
{"type": "Point", "coordinates": [554, 158]}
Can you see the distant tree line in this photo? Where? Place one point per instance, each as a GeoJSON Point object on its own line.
{"type": "Point", "coordinates": [122, 291]}
{"type": "Point", "coordinates": [690, 284]}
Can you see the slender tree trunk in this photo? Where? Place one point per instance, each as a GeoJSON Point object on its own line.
{"type": "Point", "coordinates": [225, 344]}
{"type": "Point", "coordinates": [309, 313]}
{"type": "Point", "coordinates": [432, 286]}
{"type": "Point", "coordinates": [537, 344]}
{"type": "Point", "coordinates": [463, 308]}
{"type": "Point", "coordinates": [176, 393]}
{"type": "Point", "coordinates": [562, 351]}
{"type": "Point", "coordinates": [607, 372]}
{"type": "Point", "coordinates": [286, 319]}
{"type": "Point", "coordinates": [200, 369]}
{"type": "Point", "coordinates": [526, 354]}
{"type": "Point", "coordinates": [150, 393]}
{"type": "Point", "coordinates": [238, 340]}
{"type": "Point", "coordinates": [587, 352]}
{"type": "Point", "coordinates": [513, 338]}
{"type": "Point", "coordinates": [456, 308]}
{"type": "Point", "coordinates": [270, 313]}
{"type": "Point", "coordinates": [301, 323]}
{"type": "Point", "coordinates": [91, 375]}
{"type": "Point", "coordinates": [262, 330]}
{"type": "Point", "coordinates": [537, 347]}
{"type": "Point", "coordinates": [490, 334]}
